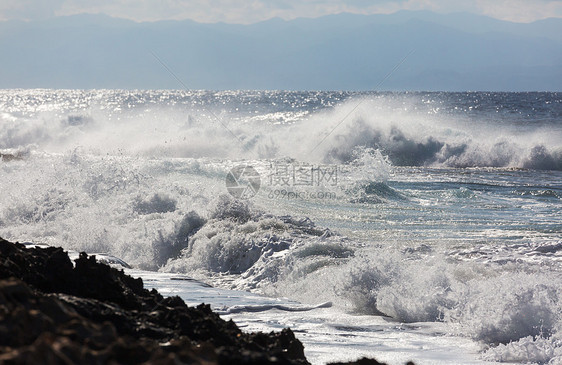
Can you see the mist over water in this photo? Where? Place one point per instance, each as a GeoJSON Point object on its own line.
{"type": "Point", "coordinates": [419, 129]}
{"type": "Point", "coordinates": [440, 207]}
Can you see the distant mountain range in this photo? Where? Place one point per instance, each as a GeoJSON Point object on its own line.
{"type": "Point", "coordinates": [427, 51]}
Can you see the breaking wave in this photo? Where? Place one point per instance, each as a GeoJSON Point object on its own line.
{"type": "Point", "coordinates": [141, 176]}
{"type": "Point", "coordinates": [187, 126]}
{"type": "Point", "coordinates": [502, 306]}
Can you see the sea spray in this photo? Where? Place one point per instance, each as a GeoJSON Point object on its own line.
{"type": "Point", "coordinates": [431, 212]}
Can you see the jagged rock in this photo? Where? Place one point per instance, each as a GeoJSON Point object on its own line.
{"type": "Point", "coordinates": [54, 312]}
{"type": "Point", "coordinates": [89, 313]}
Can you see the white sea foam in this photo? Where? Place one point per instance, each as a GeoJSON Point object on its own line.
{"type": "Point", "coordinates": [141, 176]}
{"type": "Point", "coordinates": [128, 123]}
{"type": "Point", "coordinates": [528, 350]}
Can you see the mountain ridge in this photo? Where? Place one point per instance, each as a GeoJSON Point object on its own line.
{"type": "Point", "coordinates": [455, 52]}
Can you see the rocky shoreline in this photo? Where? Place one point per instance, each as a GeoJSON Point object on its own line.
{"type": "Point", "coordinates": [54, 312]}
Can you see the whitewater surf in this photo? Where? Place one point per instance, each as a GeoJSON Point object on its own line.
{"type": "Point", "coordinates": [429, 221]}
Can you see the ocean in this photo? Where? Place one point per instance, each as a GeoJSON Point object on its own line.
{"type": "Point", "coordinates": [418, 226]}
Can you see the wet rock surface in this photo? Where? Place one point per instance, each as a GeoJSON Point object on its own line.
{"type": "Point", "coordinates": [54, 312]}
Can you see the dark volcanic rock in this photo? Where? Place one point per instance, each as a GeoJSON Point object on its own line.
{"type": "Point", "coordinates": [51, 271]}
{"type": "Point", "coordinates": [53, 312]}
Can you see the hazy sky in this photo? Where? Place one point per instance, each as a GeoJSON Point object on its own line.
{"type": "Point", "coordinates": [250, 11]}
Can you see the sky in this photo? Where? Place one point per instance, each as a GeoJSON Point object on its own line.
{"type": "Point", "coordinates": [251, 11]}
